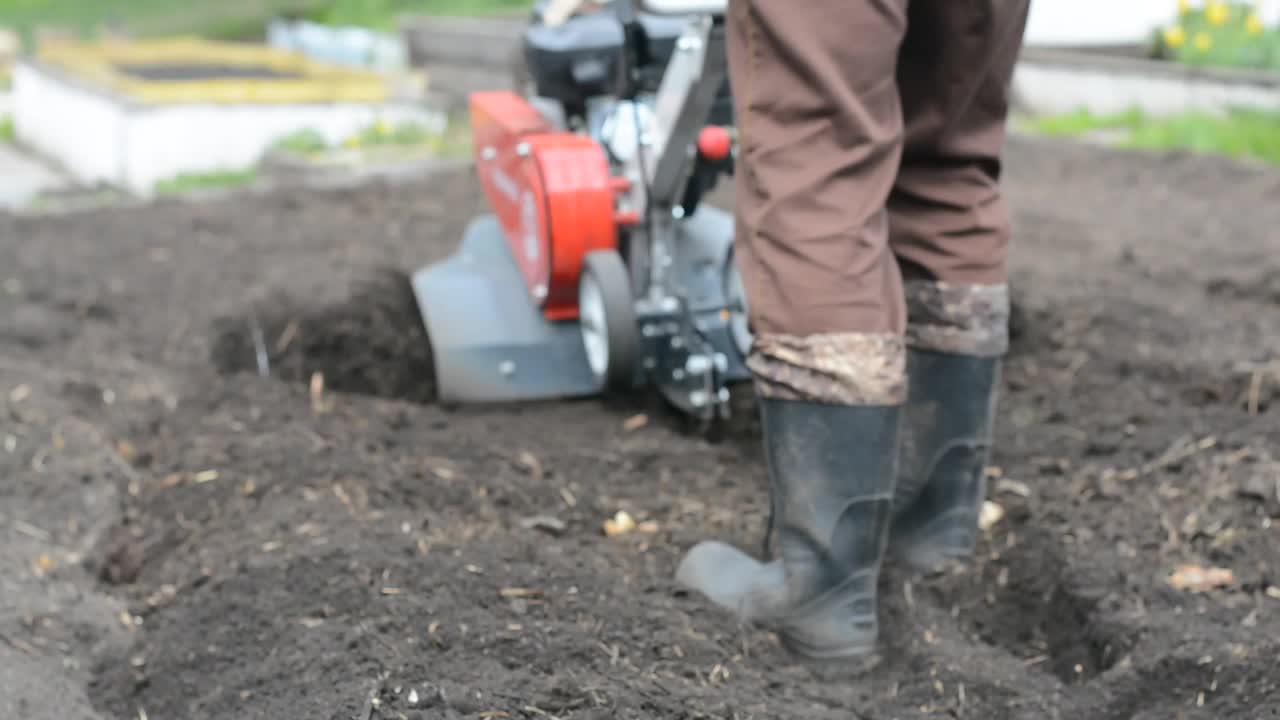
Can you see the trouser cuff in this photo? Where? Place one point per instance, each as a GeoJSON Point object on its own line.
{"type": "Point", "coordinates": [958, 319]}
{"type": "Point", "coordinates": [834, 368]}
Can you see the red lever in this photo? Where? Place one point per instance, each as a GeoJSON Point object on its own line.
{"type": "Point", "coordinates": [714, 143]}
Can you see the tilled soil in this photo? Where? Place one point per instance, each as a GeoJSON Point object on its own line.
{"type": "Point", "coordinates": [300, 532]}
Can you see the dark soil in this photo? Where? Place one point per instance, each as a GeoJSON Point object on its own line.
{"type": "Point", "coordinates": [325, 542]}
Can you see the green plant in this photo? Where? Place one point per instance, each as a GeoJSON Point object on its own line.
{"type": "Point", "coordinates": [441, 140]}
{"type": "Point", "coordinates": [205, 181]}
{"type": "Point", "coordinates": [383, 134]}
{"type": "Point", "coordinates": [6, 129]}
{"type": "Point", "coordinates": [1220, 33]}
{"type": "Point", "coordinates": [304, 142]}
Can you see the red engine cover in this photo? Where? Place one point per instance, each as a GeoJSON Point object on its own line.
{"type": "Point", "coordinates": [551, 192]}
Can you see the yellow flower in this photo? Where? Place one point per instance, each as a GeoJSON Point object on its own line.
{"type": "Point", "coordinates": [1184, 7]}
{"type": "Point", "coordinates": [1203, 41]}
{"type": "Point", "coordinates": [1217, 13]}
{"type": "Point", "coordinates": [1175, 36]}
{"type": "Point", "coordinates": [383, 128]}
{"type": "Point", "coordinates": [1253, 24]}
{"type": "Point", "coordinates": [353, 142]}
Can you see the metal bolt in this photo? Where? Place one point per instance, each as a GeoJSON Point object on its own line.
{"type": "Point", "coordinates": [507, 368]}
{"type": "Point", "coordinates": [677, 374]}
{"type": "Point", "coordinates": [697, 364]}
{"type": "Point", "coordinates": [724, 395]}
{"type": "Point", "coordinates": [698, 398]}
{"type": "Point", "coordinates": [488, 153]}
{"type": "Point", "coordinates": [523, 149]}
{"type": "Point", "coordinates": [677, 212]}
{"type": "Point", "coordinates": [722, 362]}
{"type": "Point", "coordinates": [540, 292]}
{"type": "Point", "coordinates": [677, 342]}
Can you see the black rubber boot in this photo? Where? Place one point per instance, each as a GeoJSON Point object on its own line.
{"type": "Point", "coordinates": [832, 470]}
{"type": "Point", "coordinates": [945, 448]}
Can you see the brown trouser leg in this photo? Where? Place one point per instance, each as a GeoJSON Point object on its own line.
{"type": "Point", "coordinates": [871, 133]}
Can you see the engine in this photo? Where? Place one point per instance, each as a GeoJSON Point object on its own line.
{"type": "Point", "coordinates": [575, 64]}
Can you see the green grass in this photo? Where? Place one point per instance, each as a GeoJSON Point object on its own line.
{"type": "Point", "coordinates": [382, 14]}
{"type": "Point", "coordinates": [224, 18]}
{"type": "Point", "coordinates": [1239, 134]}
{"type": "Point", "coordinates": [144, 18]}
{"type": "Point", "coordinates": [206, 181]}
{"type": "Point", "coordinates": [6, 129]}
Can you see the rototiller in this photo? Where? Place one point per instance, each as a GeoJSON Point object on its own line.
{"type": "Point", "coordinates": [600, 269]}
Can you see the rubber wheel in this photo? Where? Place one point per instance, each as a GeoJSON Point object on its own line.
{"type": "Point", "coordinates": [607, 317]}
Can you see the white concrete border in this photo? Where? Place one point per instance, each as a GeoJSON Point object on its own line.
{"type": "Point", "coordinates": [1056, 81]}
{"type": "Point", "coordinates": [99, 138]}
{"type": "Point", "coordinates": [1110, 22]}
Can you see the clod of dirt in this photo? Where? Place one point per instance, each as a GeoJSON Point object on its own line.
{"type": "Point", "coordinates": [123, 559]}
{"type": "Point", "coordinates": [1263, 288]}
{"type": "Point", "coordinates": [36, 327]}
{"type": "Point", "coordinates": [372, 343]}
{"type": "Point", "coordinates": [1263, 486]}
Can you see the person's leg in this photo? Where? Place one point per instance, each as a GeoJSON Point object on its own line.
{"type": "Point", "coordinates": [820, 135]}
{"type": "Point", "coordinates": [950, 228]}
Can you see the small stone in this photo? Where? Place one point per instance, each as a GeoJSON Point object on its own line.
{"type": "Point", "coordinates": [1196, 578]}
{"type": "Point", "coordinates": [545, 523]}
{"type": "Point", "coordinates": [620, 524]}
{"type": "Point", "coordinates": [1260, 487]}
{"type": "Point", "coordinates": [991, 514]}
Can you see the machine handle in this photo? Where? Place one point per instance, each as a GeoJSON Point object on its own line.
{"type": "Point", "coordinates": [684, 7]}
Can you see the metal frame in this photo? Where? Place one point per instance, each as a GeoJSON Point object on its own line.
{"type": "Point", "coordinates": [690, 352]}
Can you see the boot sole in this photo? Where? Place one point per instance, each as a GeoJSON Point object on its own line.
{"type": "Point", "coordinates": [830, 665]}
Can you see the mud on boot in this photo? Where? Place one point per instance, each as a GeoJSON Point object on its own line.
{"type": "Point", "coordinates": [946, 443]}
{"type": "Point", "coordinates": [832, 470]}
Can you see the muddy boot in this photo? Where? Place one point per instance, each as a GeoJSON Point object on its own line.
{"type": "Point", "coordinates": [832, 470]}
{"type": "Point", "coordinates": [946, 444]}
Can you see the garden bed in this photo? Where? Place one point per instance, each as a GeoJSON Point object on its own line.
{"type": "Point", "coordinates": [328, 542]}
{"type": "Point", "coordinates": [75, 105]}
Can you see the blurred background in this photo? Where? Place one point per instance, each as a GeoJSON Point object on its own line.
{"type": "Point", "coordinates": [324, 87]}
